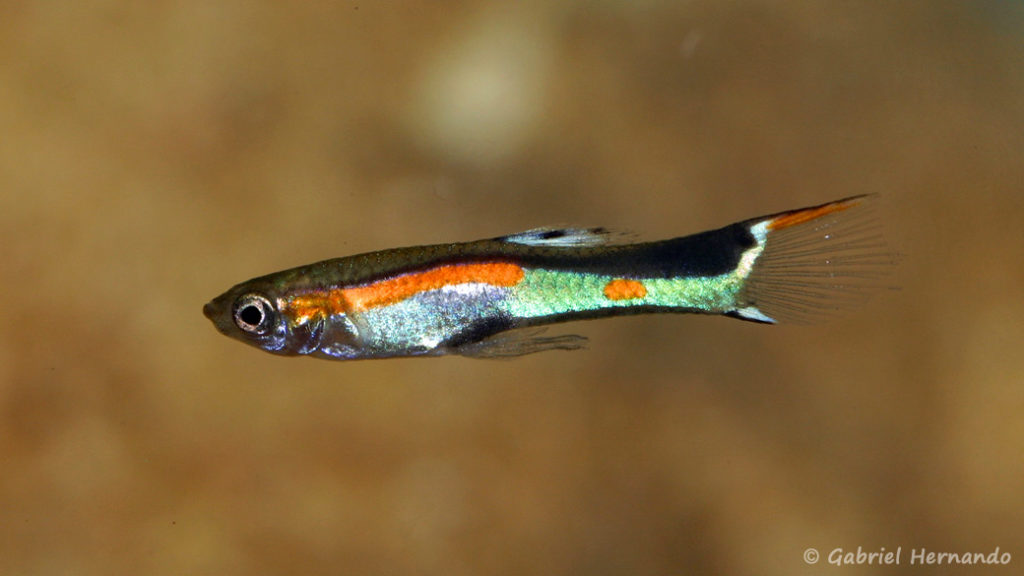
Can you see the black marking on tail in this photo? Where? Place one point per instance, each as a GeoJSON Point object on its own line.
{"type": "Point", "coordinates": [705, 254]}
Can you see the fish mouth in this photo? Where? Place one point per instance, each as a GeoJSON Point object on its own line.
{"type": "Point", "coordinates": [214, 311]}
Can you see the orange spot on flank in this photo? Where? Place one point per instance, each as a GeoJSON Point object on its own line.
{"type": "Point", "coordinates": [622, 289]}
{"type": "Point", "coordinates": [808, 214]}
{"type": "Point", "coordinates": [392, 290]}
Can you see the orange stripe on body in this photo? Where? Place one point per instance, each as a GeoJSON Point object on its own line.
{"type": "Point", "coordinates": [622, 289]}
{"type": "Point", "coordinates": [392, 290]}
{"type": "Point", "coordinates": [802, 216]}
{"type": "Point", "coordinates": [384, 292]}
{"type": "Point", "coordinates": [302, 308]}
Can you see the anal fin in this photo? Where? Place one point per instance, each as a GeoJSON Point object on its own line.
{"type": "Point", "coordinates": [519, 343]}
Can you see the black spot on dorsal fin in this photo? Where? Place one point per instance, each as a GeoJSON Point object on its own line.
{"type": "Point", "coordinates": [597, 236]}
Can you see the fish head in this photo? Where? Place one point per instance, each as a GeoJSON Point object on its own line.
{"type": "Point", "coordinates": [258, 316]}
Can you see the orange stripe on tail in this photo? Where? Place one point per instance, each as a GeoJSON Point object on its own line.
{"type": "Point", "coordinates": [807, 214]}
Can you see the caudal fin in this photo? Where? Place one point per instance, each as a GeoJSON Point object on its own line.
{"type": "Point", "coordinates": [815, 262]}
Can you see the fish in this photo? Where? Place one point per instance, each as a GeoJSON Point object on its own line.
{"type": "Point", "coordinates": [494, 298]}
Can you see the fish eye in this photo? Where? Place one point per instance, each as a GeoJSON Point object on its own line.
{"type": "Point", "coordinates": [254, 314]}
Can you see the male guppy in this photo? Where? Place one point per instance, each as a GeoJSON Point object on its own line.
{"type": "Point", "coordinates": [464, 298]}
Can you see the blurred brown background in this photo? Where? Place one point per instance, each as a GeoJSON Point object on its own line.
{"type": "Point", "coordinates": [153, 154]}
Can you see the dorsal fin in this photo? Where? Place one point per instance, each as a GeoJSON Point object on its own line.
{"type": "Point", "coordinates": [565, 237]}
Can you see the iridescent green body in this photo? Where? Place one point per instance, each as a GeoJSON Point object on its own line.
{"type": "Point", "coordinates": [545, 293]}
